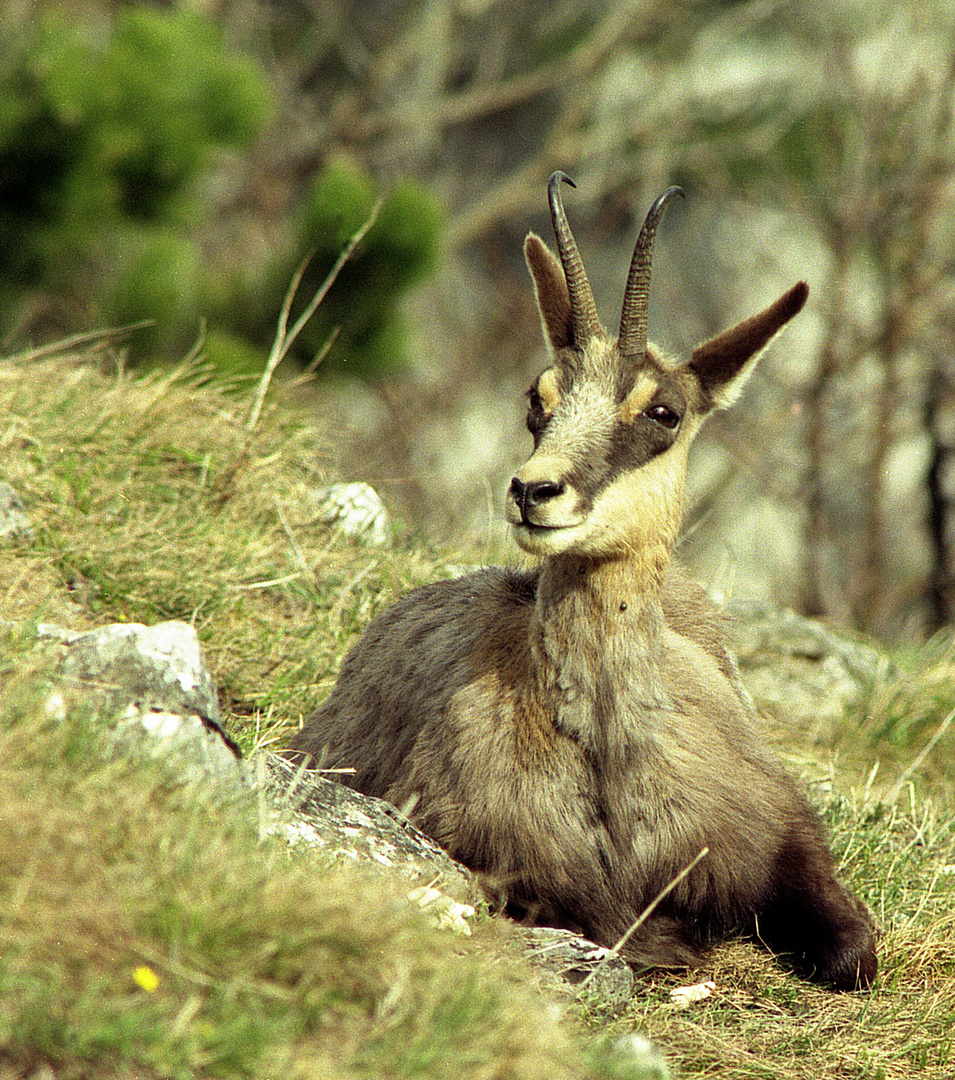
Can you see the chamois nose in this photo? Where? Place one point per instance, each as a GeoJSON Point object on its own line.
{"type": "Point", "coordinates": [532, 494]}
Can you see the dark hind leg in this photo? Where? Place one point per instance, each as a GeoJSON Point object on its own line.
{"type": "Point", "coordinates": [661, 942]}
{"type": "Point", "coordinates": [814, 923]}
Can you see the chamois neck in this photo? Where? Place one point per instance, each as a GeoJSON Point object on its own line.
{"type": "Point", "coordinates": [596, 637]}
{"type": "Point", "coordinates": [602, 589]}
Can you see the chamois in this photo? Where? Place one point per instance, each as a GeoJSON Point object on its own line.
{"type": "Point", "coordinates": [576, 733]}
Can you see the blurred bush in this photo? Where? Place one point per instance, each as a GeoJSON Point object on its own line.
{"type": "Point", "coordinates": [105, 141]}
{"type": "Point", "coordinates": [364, 302]}
{"type": "Point", "coordinates": [103, 138]}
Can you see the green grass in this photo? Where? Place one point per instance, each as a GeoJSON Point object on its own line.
{"type": "Point", "coordinates": [763, 1023]}
{"type": "Point", "coordinates": [151, 501]}
{"type": "Point", "coordinates": [261, 965]}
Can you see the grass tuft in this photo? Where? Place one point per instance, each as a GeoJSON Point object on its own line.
{"type": "Point", "coordinates": [144, 926]}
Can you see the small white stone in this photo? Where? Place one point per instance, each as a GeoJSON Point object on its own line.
{"type": "Point", "coordinates": [684, 996]}
{"type": "Point", "coordinates": [444, 911]}
{"type": "Point", "coordinates": [161, 724]}
{"type": "Point", "coordinates": [55, 706]}
{"type": "Point", "coordinates": [357, 510]}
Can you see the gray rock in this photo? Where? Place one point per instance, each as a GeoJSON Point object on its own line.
{"type": "Point", "coordinates": [799, 672]}
{"type": "Point", "coordinates": [343, 824]}
{"type": "Point", "coordinates": [153, 685]}
{"type": "Point", "coordinates": [579, 963]}
{"type": "Point", "coordinates": [15, 524]}
{"type": "Point", "coordinates": [192, 751]}
{"type": "Point", "coordinates": [157, 667]}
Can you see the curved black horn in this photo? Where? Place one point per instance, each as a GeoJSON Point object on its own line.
{"type": "Point", "coordinates": [582, 306]}
{"type": "Point", "coordinates": [636, 298]}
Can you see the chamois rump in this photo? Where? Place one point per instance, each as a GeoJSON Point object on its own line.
{"type": "Point", "coordinates": [576, 733]}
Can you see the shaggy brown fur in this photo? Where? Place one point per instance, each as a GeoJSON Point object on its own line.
{"type": "Point", "coordinates": [577, 734]}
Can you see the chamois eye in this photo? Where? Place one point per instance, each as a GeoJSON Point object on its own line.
{"type": "Point", "coordinates": [537, 416]}
{"type": "Point", "coordinates": [663, 415]}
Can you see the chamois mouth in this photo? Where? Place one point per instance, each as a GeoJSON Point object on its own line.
{"type": "Point", "coordinates": [520, 521]}
{"type": "Point", "coordinates": [531, 529]}
{"type": "Point", "coordinates": [544, 539]}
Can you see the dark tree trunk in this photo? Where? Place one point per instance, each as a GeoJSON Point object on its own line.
{"type": "Point", "coordinates": [941, 511]}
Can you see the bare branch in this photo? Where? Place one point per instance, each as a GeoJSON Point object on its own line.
{"type": "Point", "coordinates": [485, 100]}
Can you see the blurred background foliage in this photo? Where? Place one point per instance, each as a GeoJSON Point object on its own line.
{"type": "Point", "coordinates": [104, 132]}
{"type": "Point", "coordinates": [179, 161]}
{"type": "Point", "coordinates": [111, 128]}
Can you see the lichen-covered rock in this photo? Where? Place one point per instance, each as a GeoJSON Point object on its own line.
{"type": "Point", "coordinates": [444, 912]}
{"type": "Point", "coordinates": [579, 963]}
{"type": "Point", "coordinates": [157, 667]}
{"type": "Point", "coordinates": [192, 751]}
{"type": "Point", "coordinates": [344, 824]}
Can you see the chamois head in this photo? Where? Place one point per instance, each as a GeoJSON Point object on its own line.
{"type": "Point", "coordinates": [612, 421]}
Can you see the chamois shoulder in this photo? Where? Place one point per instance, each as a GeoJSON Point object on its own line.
{"type": "Point", "coordinates": [689, 612]}
{"type": "Point", "coordinates": [412, 659]}
{"type": "Point", "coordinates": [485, 589]}
{"type": "Point", "coordinates": [423, 611]}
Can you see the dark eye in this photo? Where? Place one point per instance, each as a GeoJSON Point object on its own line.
{"type": "Point", "coordinates": [536, 415]}
{"type": "Point", "coordinates": [663, 415]}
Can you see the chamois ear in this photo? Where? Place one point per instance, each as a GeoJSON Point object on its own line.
{"type": "Point", "coordinates": [553, 299]}
{"type": "Point", "coordinates": [724, 363]}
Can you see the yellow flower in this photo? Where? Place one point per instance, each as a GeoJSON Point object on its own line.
{"type": "Point", "coordinates": [146, 978]}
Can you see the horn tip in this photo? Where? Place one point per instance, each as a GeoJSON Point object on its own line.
{"type": "Point", "coordinates": [559, 177]}
{"type": "Point", "coordinates": [661, 200]}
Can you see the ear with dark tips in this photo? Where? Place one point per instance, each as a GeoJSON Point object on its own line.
{"type": "Point", "coordinates": [724, 363]}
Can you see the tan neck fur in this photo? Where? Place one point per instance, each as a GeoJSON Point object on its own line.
{"type": "Point", "coordinates": [595, 636]}
{"type": "Point", "coordinates": [598, 589]}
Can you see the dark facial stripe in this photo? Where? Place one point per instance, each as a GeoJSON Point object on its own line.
{"type": "Point", "coordinates": [631, 447]}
